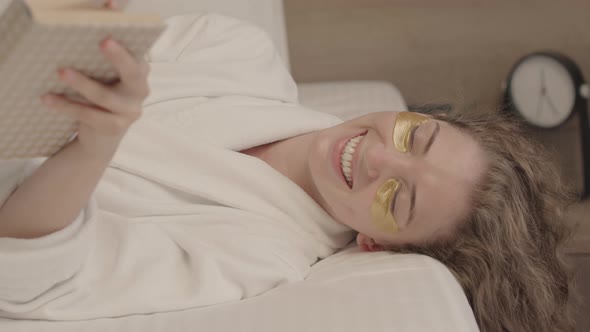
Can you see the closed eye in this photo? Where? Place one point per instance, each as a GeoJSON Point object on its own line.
{"type": "Point", "coordinates": [412, 135]}
{"type": "Point", "coordinates": [429, 142]}
{"type": "Point", "coordinates": [393, 199]}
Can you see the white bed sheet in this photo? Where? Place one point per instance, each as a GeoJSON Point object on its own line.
{"type": "Point", "coordinates": [349, 291]}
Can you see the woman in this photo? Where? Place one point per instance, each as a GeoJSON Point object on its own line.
{"type": "Point", "coordinates": [468, 191]}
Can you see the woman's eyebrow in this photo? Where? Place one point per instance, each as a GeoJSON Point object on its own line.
{"type": "Point", "coordinates": [432, 137]}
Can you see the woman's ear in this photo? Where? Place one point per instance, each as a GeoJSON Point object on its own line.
{"type": "Point", "coordinates": [367, 244]}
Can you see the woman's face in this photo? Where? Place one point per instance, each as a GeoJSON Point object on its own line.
{"type": "Point", "coordinates": [408, 178]}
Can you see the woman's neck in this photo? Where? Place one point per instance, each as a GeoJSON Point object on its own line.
{"type": "Point", "coordinates": [289, 157]}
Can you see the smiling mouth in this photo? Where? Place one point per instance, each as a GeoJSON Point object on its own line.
{"type": "Point", "coordinates": [346, 158]}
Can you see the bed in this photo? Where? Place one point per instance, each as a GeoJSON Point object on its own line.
{"type": "Point", "coordinates": [349, 291]}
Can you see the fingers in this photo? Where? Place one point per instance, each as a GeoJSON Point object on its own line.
{"type": "Point", "coordinates": [124, 98]}
{"type": "Point", "coordinates": [82, 113]}
{"type": "Point", "coordinates": [130, 70]}
{"type": "Point", "coordinates": [133, 84]}
{"type": "Point", "coordinates": [94, 91]}
{"type": "Point", "coordinates": [95, 118]}
{"type": "Point", "coordinates": [117, 4]}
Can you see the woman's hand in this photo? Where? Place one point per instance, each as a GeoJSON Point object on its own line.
{"type": "Point", "coordinates": [115, 107]}
{"type": "Point", "coordinates": [112, 4]}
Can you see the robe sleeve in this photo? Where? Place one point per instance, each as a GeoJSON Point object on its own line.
{"type": "Point", "coordinates": [34, 271]}
{"type": "Point", "coordinates": [209, 55]}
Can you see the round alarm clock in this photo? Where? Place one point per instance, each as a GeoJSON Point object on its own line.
{"type": "Point", "coordinates": [548, 91]}
{"type": "Point", "coordinates": [545, 88]}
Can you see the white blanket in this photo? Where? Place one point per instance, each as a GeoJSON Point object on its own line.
{"type": "Point", "coordinates": [180, 219]}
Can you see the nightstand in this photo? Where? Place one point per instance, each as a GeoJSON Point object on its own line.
{"type": "Point", "coordinates": [579, 255]}
{"type": "Point", "coordinates": [579, 215]}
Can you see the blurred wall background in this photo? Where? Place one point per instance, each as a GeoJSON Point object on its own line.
{"type": "Point", "coordinates": [434, 51]}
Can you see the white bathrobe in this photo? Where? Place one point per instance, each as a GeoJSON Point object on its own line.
{"type": "Point", "coordinates": [180, 218]}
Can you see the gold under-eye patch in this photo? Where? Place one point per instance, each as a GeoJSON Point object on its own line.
{"type": "Point", "coordinates": [381, 208]}
{"type": "Point", "coordinates": [405, 123]}
{"type": "Point", "coordinates": [381, 213]}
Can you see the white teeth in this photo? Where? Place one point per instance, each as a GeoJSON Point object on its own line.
{"type": "Point", "coordinates": [346, 158]}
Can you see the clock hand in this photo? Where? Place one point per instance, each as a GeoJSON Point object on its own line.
{"type": "Point", "coordinates": [553, 108]}
{"type": "Point", "coordinates": [543, 86]}
{"type": "Point", "coordinates": [539, 104]}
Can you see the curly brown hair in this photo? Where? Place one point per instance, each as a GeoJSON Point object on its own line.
{"type": "Point", "coordinates": [508, 252]}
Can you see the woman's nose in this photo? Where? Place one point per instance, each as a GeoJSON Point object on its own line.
{"type": "Point", "coordinates": [385, 161]}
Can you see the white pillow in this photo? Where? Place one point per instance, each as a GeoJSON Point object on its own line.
{"type": "Point", "coordinates": [349, 99]}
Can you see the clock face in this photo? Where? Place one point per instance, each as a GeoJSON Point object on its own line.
{"type": "Point", "coordinates": [543, 91]}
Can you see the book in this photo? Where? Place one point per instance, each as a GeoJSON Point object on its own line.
{"type": "Point", "coordinates": [38, 37]}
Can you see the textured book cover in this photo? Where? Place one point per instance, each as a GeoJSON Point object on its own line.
{"type": "Point", "coordinates": [33, 47]}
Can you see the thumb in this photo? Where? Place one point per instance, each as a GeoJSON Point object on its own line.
{"type": "Point", "coordinates": [112, 4]}
{"type": "Point", "coordinates": [117, 4]}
